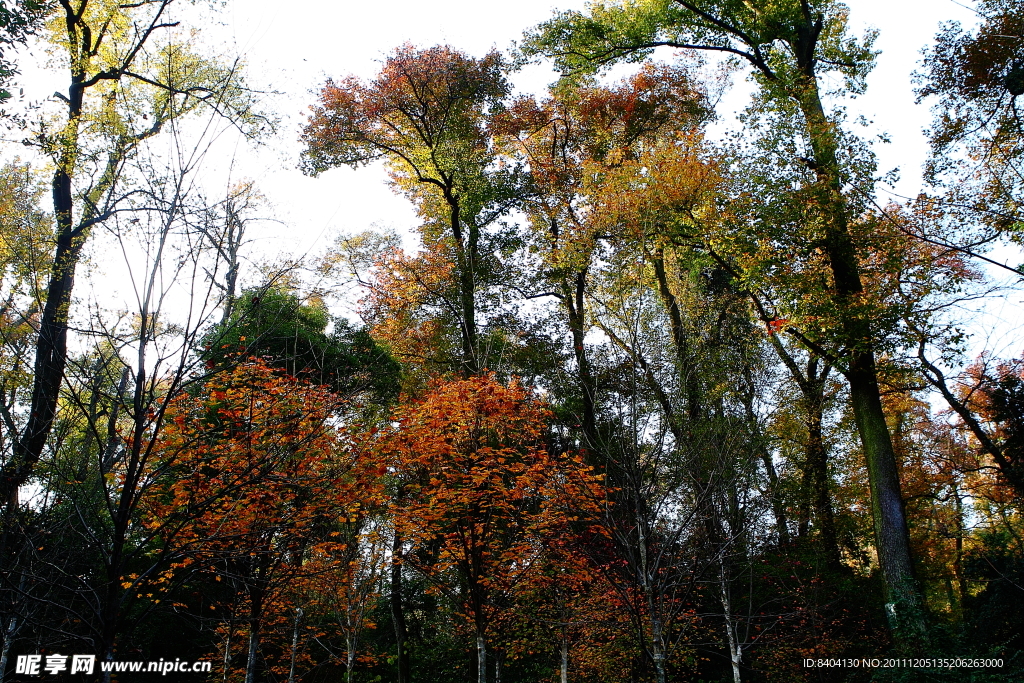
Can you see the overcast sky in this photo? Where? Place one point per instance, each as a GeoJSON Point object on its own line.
{"type": "Point", "coordinates": [292, 47]}
{"type": "Point", "coordinates": [298, 44]}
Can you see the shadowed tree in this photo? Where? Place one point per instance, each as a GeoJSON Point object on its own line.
{"type": "Point", "coordinates": [123, 91]}
{"type": "Point", "coordinates": [790, 46]}
{"type": "Point", "coordinates": [426, 115]}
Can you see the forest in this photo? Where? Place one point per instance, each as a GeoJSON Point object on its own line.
{"type": "Point", "coordinates": [645, 393]}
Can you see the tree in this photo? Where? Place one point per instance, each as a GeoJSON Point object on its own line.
{"type": "Point", "coordinates": [100, 467]}
{"type": "Point", "coordinates": [263, 479]}
{"type": "Point", "coordinates": [426, 115]}
{"type": "Point", "coordinates": [18, 21]}
{"type": "Point", "coordinates": [276, 326]}
{"type": "Point", "coordinates": [975, 78]}
{"type": "Point", "coordinates": [22, 255]}
{"type": "Point", "coordinates": [989, 402]}
{"type": "Point", "coordinates": [480, 491]}
{"type": "Point", "coordinates": [122, 92]}
{"type": "Point", "coordinates": [790, 46]}
{"type": "Point", "coordinates": [573, 143]}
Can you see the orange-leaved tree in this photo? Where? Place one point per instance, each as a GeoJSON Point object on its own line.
{"type": "Point", "coordinates": [480, 491]}
{"type": "Point", "coordinates": [426, 114]}
{"type": "Point", "coordinates": [265, 484]}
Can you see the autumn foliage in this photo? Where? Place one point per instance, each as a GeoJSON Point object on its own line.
{"type": "Point", "coordinates": [642, 393]}
{"type": "Point", "coordinates": [271, 494]}
{"type": "Point", "coordinates": [480, 491]}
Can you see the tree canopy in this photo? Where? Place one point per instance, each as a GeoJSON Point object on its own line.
{"type": "Point", "coordinates": [640, 390]}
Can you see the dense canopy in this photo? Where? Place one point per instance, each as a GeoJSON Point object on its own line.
{"type": "Point", "coordinates": [642, 392]}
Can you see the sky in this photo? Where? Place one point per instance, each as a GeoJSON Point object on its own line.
{"type": "Point", "coordinates": [297, 45]}
{"type": "Point", "coordinates": [291, 48]}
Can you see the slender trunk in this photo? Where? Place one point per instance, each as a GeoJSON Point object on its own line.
{"type": "Point", "coordinates": [295, 648]}
{"type": "Point", "coordinates": [227, 649]}
{"type": "Point", "coordinates": [688, 375]}
{"type": "Point", "coordinates": [958, 570]}
{"type": "Point", "coordinates": [774, 493]}
{"type": "Point", "coordinates": [818, 493]}
{"type": "Point", "coordinates": [255, 623]}
{"type": "Point", "coordinates": [398, 611]}
{"type": "Point", "coordinates": [466, 260]}
{"type": "Point", "coordinates": [658, 650]}
{"type": "Point", "coordinates": [481, 659]}
{"type": "Point", "coordinates": [10, 630]}
{"type": "Point", "coordinates": [816, 484]}
{"type": "Point", "coordinates": [575, 305]}
{"type": "Point", "coordinates": [234, 230]}
{"type": "Point", "coordinates": [51, 354]}
{"type": "Point", "coordinates": [350, 657]}
{"type": "Point", "coordinates": [758, 439]}
{"type": "Point", "coordinates": [250, 659]}
{"type": "Point", "coordinates": [892, 538]}
{"type": "Point", "coordinates": [654, 623]}
{"type": "Point", "coordinates": [735, 654]}
{"type": "Point", "coordinates": [51, 342]}
{"type": "Point", "coordinates": [564, 671]}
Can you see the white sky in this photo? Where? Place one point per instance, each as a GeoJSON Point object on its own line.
{"type": "Point", "coordinates": [298, 44]}
{"type": "Point", "coordinates": [292, 47]}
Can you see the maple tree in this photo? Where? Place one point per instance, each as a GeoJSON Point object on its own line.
{"type": "Point", "coordinates": [480, 490]}
{"type": "Point", "coordinates": [261, 476]}
{"type": "Point", "coordinates": [426, 114]}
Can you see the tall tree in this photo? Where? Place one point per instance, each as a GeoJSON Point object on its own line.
{"type": "Point", "coordinates": [123, 90]}
{"type": "Point", "coordinates": [426, 114]}
{"type": "Point", "coordinates": [276, 326]}
{"type": "Point", "coordinates": [262, 478]}
{"type": "Point", "coordinates": [975, 79]}
{"type": "Point", "coordinates": [571, 143]}
{"type": "Point", "coordinates": [481, 493]}
{"type": "Point", "coordinates": [790, 46]}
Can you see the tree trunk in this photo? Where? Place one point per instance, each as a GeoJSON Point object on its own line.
{"type": "Point", "coordinates": [689, 377]}
{"type": "Point", "coordinates": [10, 630]}
{"type": "Point", "coordinates": [255, 623]}
{"type": "Point", "coordinates": [481, 659]}
{"type": "Point", "coordinates": [350, 657]}
{"type": "Point", "coordinates": [819, 490]}
{"type": "Point", "coordinates": [564, 671]}
{"type": "Point", "coordinates": [758, 439]}
{"type": "Point", "coordinates": [466, 262]}
{"type": "Point", "coordinates": [398, 611]}
{"type": "Point", "coordinates": [71, 235]}
{"type": "Point", "coordinates": [891, 534]}
{"type": "Point", "coordinates": [892, 538]}
{"type": "Point", "coordinates": [227, 649]}
{"type": "Point", "coordinates": [575, 305]}
{"type": "Point", "coordinates": [657, 650]}
{"type": "Point", "coordinates": [735, 654]}
{"type": "Point", "coordinates": [295, 647]}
